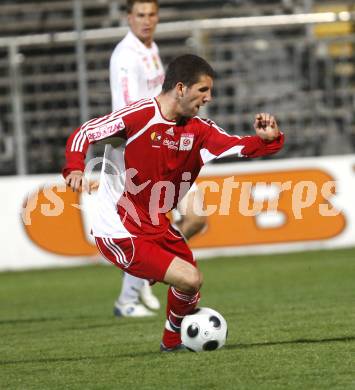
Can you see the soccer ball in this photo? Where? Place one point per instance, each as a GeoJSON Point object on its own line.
{"type": "Point", "coordinates": [204, 330]}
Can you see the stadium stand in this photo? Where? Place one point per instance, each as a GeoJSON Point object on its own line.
{"type": "Point", "coordinates": [304, 74]}
{"type": "Point", "coordinates": [19, 17]}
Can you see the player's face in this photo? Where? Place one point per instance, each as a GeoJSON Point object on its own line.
{"type": "Point", "coordinates": [196, 96]}
{"type": "Point", "coordinates": [143, 20]}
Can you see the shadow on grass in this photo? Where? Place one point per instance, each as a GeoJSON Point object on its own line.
{"type": "Point", "coordinates": [78, 359]}
{"type": "Point", "coordinates": [111, 319]}
{"type": "Point", "coordinates": [290, 342]}
{"type": "Point", "coordinates": [64, 324]}
{"type": "Point", "coordinates": [15, 321]}
{"type": "Point", "coordinates": [154, 353]}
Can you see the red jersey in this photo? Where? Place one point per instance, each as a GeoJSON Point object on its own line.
{"type": "Point", "coordinates": [155, 165]}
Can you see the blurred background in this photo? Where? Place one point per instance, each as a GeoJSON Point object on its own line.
{"type": "Point", "coordinates": [294, 58]}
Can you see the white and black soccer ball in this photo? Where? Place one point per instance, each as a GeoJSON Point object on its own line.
{"type": "Point", "coordinates": [204, 330]}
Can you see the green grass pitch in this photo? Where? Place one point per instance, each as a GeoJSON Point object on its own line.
{"type": "Point", "coordinates": [291, 326]}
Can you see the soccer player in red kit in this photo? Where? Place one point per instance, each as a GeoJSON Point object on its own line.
{"type": "Point", "coordinates": [164, 145]}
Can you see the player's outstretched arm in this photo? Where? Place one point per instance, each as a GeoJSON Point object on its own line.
{"type": "Point", "coordinates": [268, 140]}
{"type": "Point", "coordinates": [266, 127]}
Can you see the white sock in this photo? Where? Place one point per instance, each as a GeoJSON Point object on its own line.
{"type": "Point", "coordinates": [131, 287]}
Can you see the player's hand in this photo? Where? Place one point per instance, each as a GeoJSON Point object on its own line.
{"type": "Point", "coordinates": [266, 126]}
{"type": "Point", "coordinates": [76, 181]}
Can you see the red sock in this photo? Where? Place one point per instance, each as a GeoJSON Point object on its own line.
{"type": "Point", "coordinates": [179, 304]}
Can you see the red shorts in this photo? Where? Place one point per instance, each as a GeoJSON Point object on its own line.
{"type": "Point", "coordinates": [143, 257]}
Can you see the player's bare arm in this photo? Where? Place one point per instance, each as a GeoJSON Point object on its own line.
{"type": "Point", "coordinates": [266, 127]}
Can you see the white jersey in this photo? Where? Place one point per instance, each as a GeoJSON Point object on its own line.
{"type": "Point", "coordinates": [136, 72]}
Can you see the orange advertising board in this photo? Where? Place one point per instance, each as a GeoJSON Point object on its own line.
{"type": "Point", "coordinates": [271, 207]}
{"type": "Point", "coordinates": [303, 206]}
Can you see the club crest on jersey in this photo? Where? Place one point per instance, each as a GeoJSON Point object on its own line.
{"type": "Point", "coordinates": [186, 141]}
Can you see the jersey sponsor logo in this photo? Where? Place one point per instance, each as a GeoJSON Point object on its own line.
{"type": "Point", "coordinates": [106, 130]}
{"type": "Point", "coordinates": [155, 136]}
{"type": "Point", "coordinates": [171, 144]}
{"type": "Point", "coordinates": [156, 139]}
{"type": "Point", "coordinates": [186, 141]}
{"type": "Point", "coordinates": [170, 131]}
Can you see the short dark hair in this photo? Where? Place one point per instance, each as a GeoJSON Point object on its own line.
{"type": "Point", "coordinates": [130, 4]}
{"type": "Point", "coordinates": [186, 69]}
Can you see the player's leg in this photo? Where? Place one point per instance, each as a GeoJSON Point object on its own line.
{"type": "Point", "coordinates": [189, 218]}
{"type": "Point", "coordinates": [184, 276]}
{"type": "Point", "coordinates": [127, 303]}
{"type": "Point", "coordinates": [185, 281]}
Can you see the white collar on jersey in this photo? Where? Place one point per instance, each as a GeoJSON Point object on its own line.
{"type": "Point", "coordinates": [131, 38]}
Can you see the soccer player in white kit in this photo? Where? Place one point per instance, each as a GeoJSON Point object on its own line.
{"type": "Point", "coordinates": [136, 72]}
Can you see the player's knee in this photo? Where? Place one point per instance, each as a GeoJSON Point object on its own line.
{"type": "Point", "coordinates": [193, 281]}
